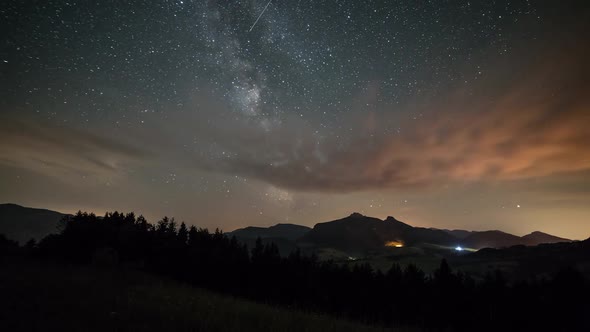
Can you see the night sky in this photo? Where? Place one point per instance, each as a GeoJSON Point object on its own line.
{"type": "Point", "coordinates": [449, 114]}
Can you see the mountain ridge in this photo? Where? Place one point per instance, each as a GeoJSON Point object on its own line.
{"type": "Point", "coordinates": [359, 232]}
{"type": "Point", "coordinates": [22, 223]}
{"type": "Point", "coordinates": [355, 232]}
{"type": "Point", "coordinates": [280, 230]}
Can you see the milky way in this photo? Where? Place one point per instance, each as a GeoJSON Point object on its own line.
{"type": "Point", "coordinates": [228, 113]}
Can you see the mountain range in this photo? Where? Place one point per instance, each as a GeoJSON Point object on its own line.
{"type": "Point", "coordinates": [358, 233]}
{"type": "Point", "coordinates": [355, 233]}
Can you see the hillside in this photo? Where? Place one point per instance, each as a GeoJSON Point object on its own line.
{"type": "Point", "coordinates": [23, 223]}
{"type": "Point", "coordinates": [48, 298]}
{"type": "Point", "coordinates": [116, 298]}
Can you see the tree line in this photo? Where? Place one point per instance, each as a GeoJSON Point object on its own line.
{"type": "Point", "coordinates": [400, 296]}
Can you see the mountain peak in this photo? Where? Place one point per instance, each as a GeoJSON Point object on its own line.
{"type": "Point", "coordinates": [390, 218]}
{"type": "Point", "coordinates": [356, 215]}
{"type": "Point", "coordinates": [538, 237]}
{"type": "Point", "coordinates": [11, 205]}
{"type": "Point", "coordinates": [538, 233]}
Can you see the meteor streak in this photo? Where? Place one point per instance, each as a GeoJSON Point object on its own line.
{"type": "Point", "coordinates": [259, 16]}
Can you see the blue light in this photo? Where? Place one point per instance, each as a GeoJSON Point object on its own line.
{"type": "Point", "coordinates": [459, 249]}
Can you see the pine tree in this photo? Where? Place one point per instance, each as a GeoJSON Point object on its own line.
{"type": "Point", "coordinates": [182, 233]}
{"type": "Point", "coordinates": [193, 235]}
{"type": "Point", "coordinates": [258, 251]}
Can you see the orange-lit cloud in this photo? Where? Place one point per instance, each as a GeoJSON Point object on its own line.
{"type": "Point", "coordinates": [536, 126]}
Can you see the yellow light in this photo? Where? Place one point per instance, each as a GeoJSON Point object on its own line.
{"type": "Point", "coordinates": [396, 244]}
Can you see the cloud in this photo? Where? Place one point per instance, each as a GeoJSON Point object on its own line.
{"type": "Point", "coordinates": [536, 126]}
{"type": "Point", "coordinates": [522, 123]}
{"type": "Point", "coordinates": [62, 152]}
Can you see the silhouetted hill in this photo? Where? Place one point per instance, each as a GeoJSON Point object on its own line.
{"type": "Point", "coordinates": [521, 262]}
{"type": "Point", "coordinates": [359, 233]}
{"type": "Point", "coordinates": [458, 233]}
{"type": "Point", "coordinates": [23, 223]}
{"type": "Point", "coordinates": [498, 239]}
{"type": "Point", "coordinates": [491, 239]}
{"type": "Point", "coordinates": [283, 235]}
{"type": "Point", "coordinates": [285, 231]}
{"type": "Point", "coordinates": [353, 233]}
{"type": "Point", "coordinates": [537, 237]}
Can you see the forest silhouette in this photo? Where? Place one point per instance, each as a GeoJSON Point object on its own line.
{"type": "Point", "coordinates": [400, 296]}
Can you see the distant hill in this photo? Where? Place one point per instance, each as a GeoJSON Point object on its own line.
{"type": "Point", "coordinates": [285, 231]}
{"type": "Point", "coordinates": [491, 239]}
{"type": "Point", "coordinates": [521, 262]}
{"type": "Point", "coordinates": [536, 238]}
{"type": "Point", "coordinates": [499, 239]}
{"type": "Point", "coordinates": [23, 223]}
{"type": "Point", "coordinates": [359, 233]}
{"type": "Point", "coordinates": [458, 233]}
{"type": "Point", "coordinates": [353, 233]}
{"type": "Point", "coordinates": [283, 235]}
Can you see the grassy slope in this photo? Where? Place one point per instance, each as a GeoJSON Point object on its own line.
{"type": "Point", "coordinates": [50, 298]}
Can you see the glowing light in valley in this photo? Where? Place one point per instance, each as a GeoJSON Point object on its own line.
{"type": "Point", "coordinates": [396, 244]}
{"type": "Point", "coordinates": [458, 248]}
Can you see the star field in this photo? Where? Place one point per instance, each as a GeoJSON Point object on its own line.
{"type": "Point", "coordinates": [449, 114]}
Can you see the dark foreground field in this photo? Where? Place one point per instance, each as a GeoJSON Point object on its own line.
{"type": "Point", "coordinates": [46, 297]}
